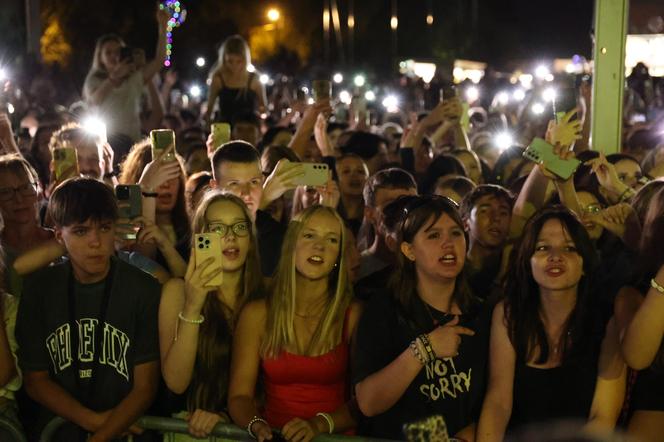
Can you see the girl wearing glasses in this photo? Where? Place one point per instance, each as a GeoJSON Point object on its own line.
{"type": "Point", "coordinates": [196, 323]}
{"type": "Point", "coordinates": [421, 347]}
{"type": "Point", "coordinates": [554, 353]}
{"type": "Point", "coordinates": [299, 337]}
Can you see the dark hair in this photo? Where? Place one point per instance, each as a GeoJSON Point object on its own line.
{"type": "Point", "coordinates": [442, 165]}
{"type": "Point", "coordinates": [271, 134]}
{"type": "Point", "coordinates": [394, 212]}
{"type": "Point", "coordinates": [503, 160]}
{"type": "Point", "coordinates": [233, 152]}
{"type": "Point", "coordinates": [364, 144]}
{"type": "Point", "coordinates": [641, 201]}
{"type": "Point", "coordinates": [422, 212]}
{"type": "Point", "coordinates": [336, 125]}
{"type": "Point", "coordinates": [480, 191]}
{"type": "Point", "coordinates": [392, 178]}
{"type": "Point", "coordinates": [522, 303]}
{"type": "Point", "coordinates": [651, 251]}
{"type": "Point", "coordinates": [616, 157]}
{"type": "Point", "coordinates": [80, 199]}
{"type": "Point", "coordinates": [248, 118]}
{"type": "Point", "coordinates": [272, 154]}
{"type": "Point", "coordinates": [650, 160]}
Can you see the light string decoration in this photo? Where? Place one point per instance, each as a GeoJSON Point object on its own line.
{"type": "Point", "coordinates": [178, 15]}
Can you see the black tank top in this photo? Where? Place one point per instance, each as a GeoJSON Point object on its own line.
{"type": "Point", "coordinates": [234, 102]}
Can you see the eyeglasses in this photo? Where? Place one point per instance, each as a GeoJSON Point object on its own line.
{"type": "Point", "coordinates": [27, 190]}
{"type": "Point", "coordinates": [240, 229]}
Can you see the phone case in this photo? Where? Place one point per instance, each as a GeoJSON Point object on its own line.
{"type": "Point", "coordinates": [541, 152]}
{"type": "Point", "coordinates": [321, 89]}
{"type": "Point", "coordinates": [221, 133]}
{"type": "Point", "coordinates": [208, 245]}
{"type": "Point", "coordinates": [163, 140]}
{"type": "Point", "coordinates": [64, 160]}
{"type": "Point", "coordinates": [130, 193]}
{"type": "Point", "coordinates": [432, 428]}
{"type": "Point", "coordinates": [315, 174]}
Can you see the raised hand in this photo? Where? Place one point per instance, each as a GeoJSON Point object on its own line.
{"type": "Point", "coordinates": [446, 339]}
{"type": "Point", "coordinates": [157, 172]}
{"type": "Point", "coordinates": [320, 135]}
{"type": "Point", "coordinates": [195, 282]}
{"type": "Point", "coordinates": [565, 132]}
{"type": "Point", "coordinates": [280, 180]}
{"type": "Point", "coordinates": [613, 218]}
{"type": "Point", "coordinates": [606, 174]}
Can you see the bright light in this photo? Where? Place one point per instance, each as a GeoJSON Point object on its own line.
{"type": "Point", "coordinates": [264, 79]}
{"type": "Point", "coordinates": [549, 94]}
{"type": "Point", "coordinates": [345, 97]}
{"type": "Point", "coordinates": [504, 141]}
{"type": "Point", "coordinates": [338, 78]}
{"type": "Point", "coordinates": [359, 80]}
{"type": "Point", "coordinates": [200, 62]}
{"type": "Point", "coordinates": [391, 103]}
{"type": "Point", "coordinates": [251, 68]}
{"type": "Point", "coordinates": [570, 68]}
{"type": "Point", "coordinates": [3, 74]}
{"type": "Point", "coordinates": [95, 126]}
{"type": "Point", "coordinates": [542, 71]}
{"type": "Point", "coordinates": [429, 19]}
{"type": "Point", "coordinates": [537, 108]}
{"type": "Point", "coordinates": [310, 100]}
{"type": "Point", "coordinates": [370, 96]}
{"type": "Point", "coordinates": [425, 71]}
{"type": "Point", "coordinates": [549, 77]}
{"type": "Point", "coordinates": [503, 98]}
{"type": "Point", "coordinates": [351, 21]}
{"type": "Point", "coordinates": [273, 14]}
{"type": "Point", "coordinates": [526, 80]}
{"type": "Point", "coordinates": [519, 94]}
{"type": "Point", "coordinates": [195, 91]}
{"type": "Point", "coordinates": [10, 108]}
{"type": "Point", "coordinates": [472, 94]}
{"type": "Point", "coordinates": [394, 23]}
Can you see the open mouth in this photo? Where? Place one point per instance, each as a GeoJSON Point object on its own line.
{"type": "Point", "coordinates": [231, 253]}
{"type": "Point", "coordinates": [315, 260]}
{"type": "Point", "coordinates": [448, 259]}
{"type": "Point", "coordinates": [554, 271]}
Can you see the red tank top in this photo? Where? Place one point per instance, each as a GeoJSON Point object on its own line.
{"type": "Point", "coordinates": [301, 386]}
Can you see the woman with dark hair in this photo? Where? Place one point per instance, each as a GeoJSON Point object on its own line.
{"type": "Point", "coordinates": [167, 226]}
{"type": "Point", "coordinates": [552, 354]}
{"type": "Point", "coordinates": [421, 348]}
{"type": "Point", "coordinates": [628, 169]}
{"type": "Point", "coordinates": [114, 85]}
{"type": "Point", "coordinates": [454, 187]}
{"type": "Point", "coordinates": [471, 163]}
{"type": "Point", "coordinates": [640, 309]}
{"type": "Point", "coordinates": [196, 321]}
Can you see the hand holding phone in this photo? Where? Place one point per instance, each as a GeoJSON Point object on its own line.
{"type": "Point", "coordinates": [208, 250]}
{"type": "Point", "coordinates": [130, 206]}
{"type": "Point", "coordinates": [543, 153]}
{"type": "Point", "coordinates": [65, 161]}
{"type": "Point", "coordinates": [565, 131]}
{"type": "Point", "coordinates": [163, 145]}
{"type": "Point", "coordinates": [221, 134]}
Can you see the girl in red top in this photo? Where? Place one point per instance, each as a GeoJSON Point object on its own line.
{"type": "Point", "coordinates": [299, 337]}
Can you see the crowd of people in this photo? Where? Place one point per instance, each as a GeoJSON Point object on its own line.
{"type": "Point", "coordinates": [431, 273]}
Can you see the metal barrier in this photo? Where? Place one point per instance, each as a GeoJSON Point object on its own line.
{"type": "Point", "coordinates": [9, 427]}
{"type": "Point", "coordinates": [225, 431]}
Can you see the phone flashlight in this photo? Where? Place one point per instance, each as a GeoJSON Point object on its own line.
{"type": "Point", "coordinates": [95, 126]}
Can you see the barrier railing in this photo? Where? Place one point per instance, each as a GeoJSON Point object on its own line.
{"type": "Point", "coordinates": [10, 430]}
{"type": "Point", "coordinates": [224, 431]}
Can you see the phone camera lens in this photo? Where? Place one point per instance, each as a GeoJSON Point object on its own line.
{"type": "Point", "coordinates": [200, 246]}
{"type": "Point", "coordinates": [207, 242]}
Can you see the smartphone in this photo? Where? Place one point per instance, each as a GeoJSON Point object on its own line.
{"type": "Point", "coordinates": [541, 152]}
{"type": "Point", "coordinates": [208, 245]}
{"type": "Point", "coordinates": [566, 100]}
{"type": "Point", "coordinates": [432, 428]}
{"type": "Point", "coordinates": [448, 92]}
{"type": "Point", "coordinates": [221, 133]}
{"type": "Point", "coordinates": [163, 144]}
{"type": "Point", "coordinates": [66, 162]}
{"type": "Point", "coordinates": [130, 204]}
{"type": "Point", "coordinates": [126, 53]}
{"type": "Point", "coordinates": [321, 89]}
{"type": "Point", "coordinates": [315, 174]}
{"type": "Point", "coordinates": [300, 95]}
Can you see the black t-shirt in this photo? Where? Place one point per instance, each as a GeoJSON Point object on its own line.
{"type": "Point", "coordinates": [451, 387]}
{"type": "Point", "coordinates": [270, 238]}
{"type": "Point", "coordinates": [130, 335]}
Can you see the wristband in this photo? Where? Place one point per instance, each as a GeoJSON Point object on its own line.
{"type": "Point", "coordinates": [252, 422]}
{"type": "Point", "coordinates": [627, 193]}
{"type": "Point", "coordinates": [418, 354]}
{"type": "Point", "coordinates": [330, 421]}
{"type": "Point", "coordinates": [654, 284]}
{"type": "Point", "coordinates": [427, 346]}
{"type": "Point", "coordinates": [150, 194]}
{"type": "Point", "coordinates": [200, 319]}
{"type": "Point", "coordinates": [110, 175]}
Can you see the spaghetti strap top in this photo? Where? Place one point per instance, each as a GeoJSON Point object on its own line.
{"type": "Point", "coordinates": [235, 102]}
{"type": "Point", "coordinates": [301, 386]}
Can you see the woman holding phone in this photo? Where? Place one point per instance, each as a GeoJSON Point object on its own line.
{"type": "Point", "coordinates": [114, 85]}
{"type": "Point", "coordinates": [421, 347]}
{"type": "Point", "coordinates": [299, 337]}
{"type": "Point", "coordinates": [552, 354]}
{"type": "Point", "coordinates": [197, 321]}
{"type": "Point", "coordinates": [238, 91]}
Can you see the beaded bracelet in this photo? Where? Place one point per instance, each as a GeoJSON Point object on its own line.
{"type": "Point", "coordinates": [330, 421]}
{"type": "Point", "coordinates": [420, 357]}
{"type": "Point", "coordinates": [654, 284]}
{"type": "Point", "coordinates": [252, 422]}
{"type": "Point", "coordinates": [200, 319]}
{"type": "Point", "coordinates": [427, 346]}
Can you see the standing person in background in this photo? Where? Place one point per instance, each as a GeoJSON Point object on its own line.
{"type": "Point", "coordinates": [238, 90]}
{"type": "Point", "coordinates": [114, 84]}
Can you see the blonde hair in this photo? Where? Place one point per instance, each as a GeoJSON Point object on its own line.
{"type": "Point", "coordinates": [74, 132]}
{"type": "Point", "coordinates": [235, 45]}
{"type": "Point", "coordinates": [280, 331]}
{"type": "Point", "coordinates": [97, 68]}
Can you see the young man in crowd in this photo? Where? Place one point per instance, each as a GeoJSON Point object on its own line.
{"type": "Point", "coordinates": [380, 189]}
{"type": "Point", "coordinates": [487, 213]}
{"type": "Point", "coordinates": [87, 328]}
{"type": "Point", "coordinates": [236, 169]}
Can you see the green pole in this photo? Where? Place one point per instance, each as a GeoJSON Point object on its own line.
{"type": "Point", "coordinates": [609, 74]}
